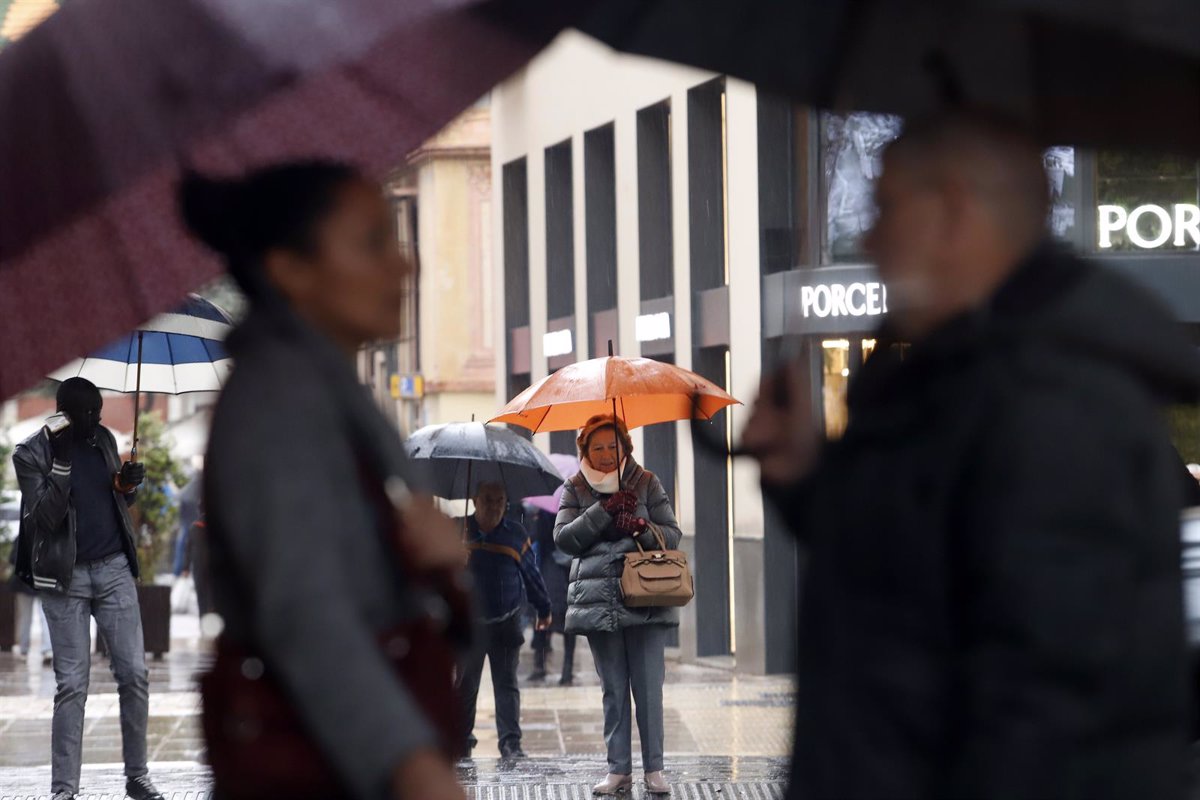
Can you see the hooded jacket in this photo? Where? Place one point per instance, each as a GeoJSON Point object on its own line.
{"type": "Point", "coordinates": [992, 606]}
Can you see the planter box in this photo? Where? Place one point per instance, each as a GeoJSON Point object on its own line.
{"type": "Point", "coordinates": [8, 618]}
{"type": "Point", "coordinates": [155, 602]}
{"type": "Point", "coordinates": [155, 605]}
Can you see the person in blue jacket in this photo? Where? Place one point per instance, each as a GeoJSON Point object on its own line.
{"type": "Point", "coordinates": [506, 575]}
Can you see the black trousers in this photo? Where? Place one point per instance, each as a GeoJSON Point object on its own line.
{"type": "Point", "coordinates": [500, 643]}
{"type": "Point", "coordinates": [541, 644]}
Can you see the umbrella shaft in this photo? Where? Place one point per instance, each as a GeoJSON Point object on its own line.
{"type": "Point", "coordinates": [137, 400]}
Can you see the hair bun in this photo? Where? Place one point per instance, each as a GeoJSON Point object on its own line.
{"type": "Point", "coordinates": [211, 210]}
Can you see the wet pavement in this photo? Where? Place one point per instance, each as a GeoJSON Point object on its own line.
{"type": "Point", "coordinates": [727, 736]}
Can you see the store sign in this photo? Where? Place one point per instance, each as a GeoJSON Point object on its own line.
{"type": "Point", "coordinates": [1178, 226]}
{"type": "Point", "coordinates": [866, 299]}
{"type": "Point", "coordinates": [557, 343]}
{"type": "Point", "coordinates": [653, 327]}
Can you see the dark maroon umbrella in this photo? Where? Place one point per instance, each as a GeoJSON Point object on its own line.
{"type": "Point", "coordinates": [103, 103]}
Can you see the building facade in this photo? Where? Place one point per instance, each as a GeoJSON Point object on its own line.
{"type": "Point", "coordinates": [689, 217]}
{"type": "Point", "coordinates": [442, 368]}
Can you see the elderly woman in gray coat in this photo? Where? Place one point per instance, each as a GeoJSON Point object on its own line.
{"type": "Point", "coordinates": [602, 512]}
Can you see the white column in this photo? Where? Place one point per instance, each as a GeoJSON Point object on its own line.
{"type": "Point", "coordinates": [685, 503]}
{"type": "Point", "coordinates": [499, 322]}
{"type": "Point", "coordinates": [535, 162]}
{"type": "Point", "coordinates": [745, 330]}
{"type": "Point", "coordinates": [682, 318]}
{"type": "Point", "coordinates": [629, 278]}
{"type": "Point", "coordinates": [579, 234]}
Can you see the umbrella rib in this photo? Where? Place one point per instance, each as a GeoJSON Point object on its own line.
{"type": "Point", "coordinates": [171, 362]}
{"type": "Point", "coordinates": [130, 359]}
{"type": "Point", "coordinates": [212, 362]}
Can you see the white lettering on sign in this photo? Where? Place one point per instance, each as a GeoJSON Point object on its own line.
{"type": "Point", "coordinates": [652, 327]}
{"type": "Point", "coordinates": [1177, 226]}
{"type": "Point", "coordinates": [557, 343]}
{"type": "Point", "coordinates": [839, 300]}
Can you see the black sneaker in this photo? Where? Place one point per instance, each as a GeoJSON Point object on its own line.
{"type": "Point", "coordinates": [512, 753]}
{"type": "Point", "coordinates": [140, 788]}
{"type": "Point", "coordinates": [537, 676]}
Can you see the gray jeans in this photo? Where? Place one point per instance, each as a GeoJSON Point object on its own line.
{"type": "Point", "coordinates": [632, 661]}
{"type": "Point", "coordinates": [104, 590]}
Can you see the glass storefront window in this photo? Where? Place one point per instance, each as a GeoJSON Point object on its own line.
{"type": "Point", "coordinates": [1184, 424]}
{"type": "Point", "coordinates": [835, 378]}
{"type": "Point", "coordinates": [841, 359]}
{"type": "Point", "coordinates": [852, 148]}
{"type": "Point", "coordinates": [1059, 163]}
{"type": "Point", "coordinates": [1147, 201]}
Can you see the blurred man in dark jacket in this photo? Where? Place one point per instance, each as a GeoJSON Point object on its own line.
{"type": "Point", "coordinates": [506, 577]}
{"type": "Point", "coordinates": [992, 607]}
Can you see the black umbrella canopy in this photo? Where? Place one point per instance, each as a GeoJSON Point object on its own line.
{"type": "Point", "coordinates": [456, 458]}
{"type": "Point", "coordinates": [1111, 73]}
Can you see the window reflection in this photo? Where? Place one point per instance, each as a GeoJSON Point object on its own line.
{"type": "Point", "coordinates": [852, 147]}
{"type": "Point", "coordinates": [1059, 163]}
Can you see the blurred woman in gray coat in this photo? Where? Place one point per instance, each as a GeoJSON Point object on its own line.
{"type": "Point", "coordinates": [305, 486]}
{"type": "Point", "coordinates": [608, 505]}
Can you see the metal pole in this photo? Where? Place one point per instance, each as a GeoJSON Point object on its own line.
{"type": "Point", "coordinates": [616, 429]}
{"type": "Point", "coordinates": [467, 492]}
{"type": "Point", "coordinates": [137, 400]}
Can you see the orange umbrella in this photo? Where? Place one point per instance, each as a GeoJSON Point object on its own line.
{"type": "Point", "coordinates": [641, 390]}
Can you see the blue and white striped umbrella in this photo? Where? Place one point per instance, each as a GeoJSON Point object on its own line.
{"type": "Point", "coordinates": [181, 351]}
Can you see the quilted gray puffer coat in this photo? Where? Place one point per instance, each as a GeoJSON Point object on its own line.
{"type": "Point", "coordinates": [581, 530]}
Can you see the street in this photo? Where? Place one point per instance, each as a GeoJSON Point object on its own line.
{"type": "Point", "coordinates": [727, 735]}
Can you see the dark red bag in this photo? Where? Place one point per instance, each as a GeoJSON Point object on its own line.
{"type": "Point", "coordinates": [258, 746]}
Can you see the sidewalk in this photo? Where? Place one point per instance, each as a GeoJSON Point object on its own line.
{"type": "Point", "coordinates": [727, 736]}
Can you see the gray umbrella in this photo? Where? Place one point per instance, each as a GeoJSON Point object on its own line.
{"type": "Point", "coordinates": [456, 458]}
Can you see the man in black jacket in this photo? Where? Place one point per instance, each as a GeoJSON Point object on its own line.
{"type": "Point", "coordinates": [76, 547]}
{"type": "Point", "coordinates": [992, 606]}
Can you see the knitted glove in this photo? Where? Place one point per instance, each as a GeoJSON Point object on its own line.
{"type": "Point", "coordinates": [623, 501]}
{"type": "Point", "coordinates": [628, 524]}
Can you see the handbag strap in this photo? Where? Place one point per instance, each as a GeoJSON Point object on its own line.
{"type": "Point", "coordinates": [662, 543]}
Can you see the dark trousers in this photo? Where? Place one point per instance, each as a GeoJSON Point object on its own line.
{"type": "Point", "coordinates": [500, 643]}
{"type": "Point", "coordinates": [541, 645]}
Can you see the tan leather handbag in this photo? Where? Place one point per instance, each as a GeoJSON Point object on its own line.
{"type": "Point", "coordinates": [656, 577]}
